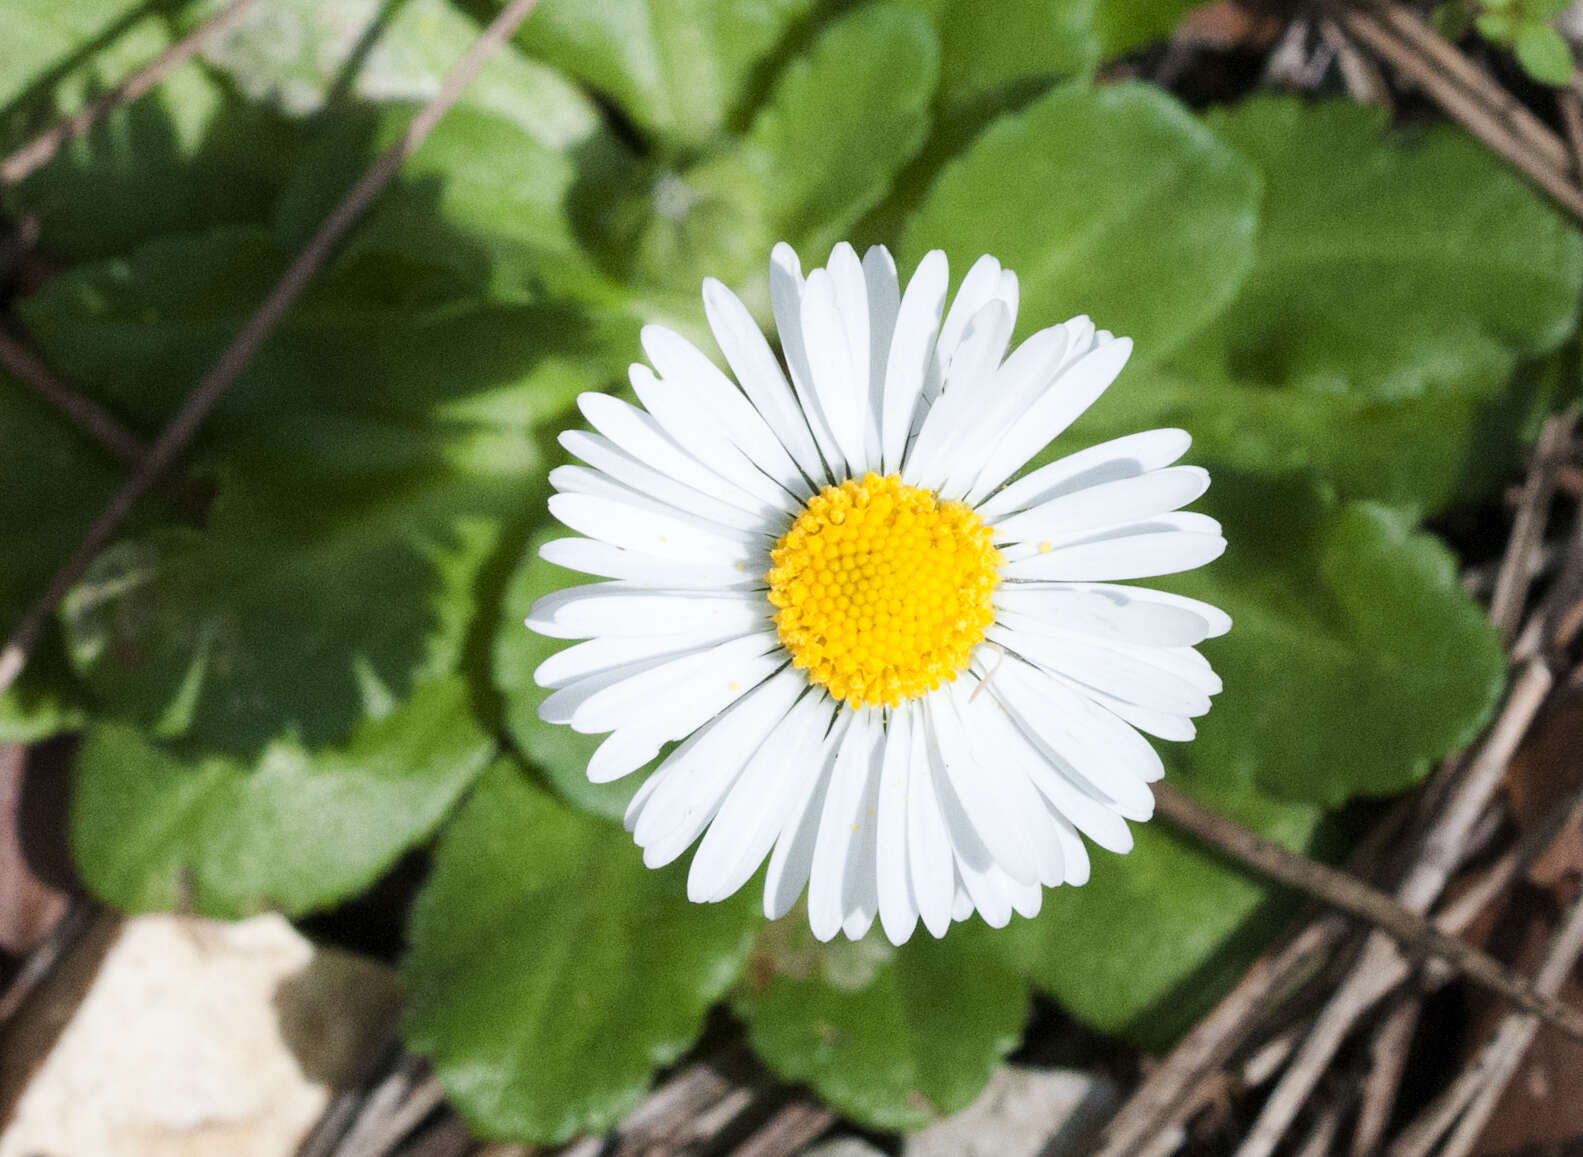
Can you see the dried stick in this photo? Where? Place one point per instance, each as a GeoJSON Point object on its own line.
{"type": "Point", "coordinates": [41, 148]}
{"type": "Point", "coordinates": [1215, 1038]}
{"type": "Point", "coordinates": [213, 385]}
{"type": "Point", "coordinates": [1528, 528]}
{"type": "Point", "coordinates": [1572, 122]}
{"type": "Point", "coordinates": [1381, 967]}
{"type": "Point", "coordinates": [90, 417]}
{"type": "Point", "coordinates": [1546, 164]}
{"type": "Point", "coordinates": [1473, 1096]}
{"type": "Point", "coordinates": [794, 1125]}
{"type": "Point", "coordinates": [1387, 1064]}
{"type": "Point", "coordinates": [1409, 928]}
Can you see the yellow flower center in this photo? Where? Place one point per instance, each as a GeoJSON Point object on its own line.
{"type": "Point", "coordinates": [882, 591]}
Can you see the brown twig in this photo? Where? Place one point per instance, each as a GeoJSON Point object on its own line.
{"type": "Point", "coordinates": [1466, 95]}
{"type": "Point", "coordinates": [90, 417]}
{"type": "Point", "coordinates": [41, 148]}
{"type": "Point", "coordinates": [1213, 1040]}
{"type": "Point", "coordinates": [1387, 1065]}
{"type": "Point", "coordinates": [1571, 109]}
{"type": "Point", "coordinates": [1340, 890]}
{"type": "Point", "coordinates": [173, 440]}
{"type": "Point", "coordinates": [793, 1126]}
{"type": "Point", "coordinates": [1471, 1098]}
{"type": "Point", "coordinates": [1381, 967]}
{"type": "Point", "coordinates": [1528, 528]}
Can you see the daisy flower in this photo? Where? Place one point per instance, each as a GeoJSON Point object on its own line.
{"type": "Point", "coordinates": [904, 678]}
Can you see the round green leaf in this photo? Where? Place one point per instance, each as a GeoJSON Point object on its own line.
{"type": "Point", "coordinates": [559, 752]}
{"type": "Point", "coordinates": [1113, 202]}
{"type": "Point", "coordinates": [1355, 661]}
{"type": "Point", "coordinates": [1151, 941]}
{"type": "Point", "coordinates": [1543, 53]}
{"type": "Point", "coordinates": [825, 147]}
{"type": "Point", "coordinates": [1414, 268]}
{"type": "Point", "coordinates": [155, 829]}
{"type": "Point", "coordinates": [677, 67]}
{"type": "Point", "coordinates": [914, 1035]}
{"type": "Point", "coordinates": [996, 51]}
{"type": "Point", "coordinates": [550, 972]}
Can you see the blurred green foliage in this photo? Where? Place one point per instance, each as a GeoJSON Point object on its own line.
{"type": "Point", "coordinates": [1357, 325]}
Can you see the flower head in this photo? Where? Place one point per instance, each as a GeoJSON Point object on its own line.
{"type": "Point", "coordinates": [911, 686]}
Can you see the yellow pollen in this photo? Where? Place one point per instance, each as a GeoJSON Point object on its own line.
{"type": "Point", "coordinates": [881, 590]}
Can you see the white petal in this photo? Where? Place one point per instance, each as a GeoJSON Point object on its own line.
{"type": "Point", "coordinates": [1108, 614]}
{"type": "Point", "coordinates": [1071, 730]}
{"type": "Point", "coordinates": [826, 347]}
{"type": "Point", "coordinates": [608, 458]}
{"type": "Point", "coordinates": [700, 771]}
{"type": "Point", "coordinates": [840, 824]}
{"type": "Point", "coordinates": [703, 435]}
{"type": "Point", "coordinates": [1119, 458]}
{"type": "Point", "coordinates": [748, 353]}
{"type": "Point", "coordinates": [988, 792]}
{"type": "Point", "coordinates": [1073, 391]}
{"type": "Point", "coordinates": [1127, 676]}
{"type": "Point", "coordinates": [851, 295]}
{"type": "Point", "coordinates": [786, 299]}
{"type": "Point", "coordinates": [678, 360]}
{"type": "Point", "coordinates": [678, 537]}
{"type": "Point", "coordinates": [681, 693]}
{"type": "Point", "coordinates": [978, 289]}
{"type": "Point", "coordinates": [898, 912]}
{"type": "Point", "coordinates": [794, 847]}
{"type": "Point", "coordinates": [1106, 504]}
{"type": "Point", "coordinates": [582, 612]}
{"type": "Point", "coordinates": [929, 859]}
{"type": "Point", "coordinates": [966, 387]}
{"type": "Point", "coordinates": [1219, 622]}
{"type": "Point", "coordinates": [1143, 554]}
{"type": "Point", "coordinates": [1017, 383]}
{"type": "Point", "coordinates": [744, 830]}
{"type": "Point", "coordinates": [911, 351]}
{"type": "Point", "coordinates": [607, 654]}
{"type": "Point", "coordinates": [640, 436]}
{"type": "Point", "coordinates": [589, 556]}
{"type": "Point", "coordinates": [884, 302]}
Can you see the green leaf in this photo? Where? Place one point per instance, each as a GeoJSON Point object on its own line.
{"type": "Point", "coordinates": [285, 618]}
{"type": "Point", "coordinates": [303, 55]}
{"type": "Point", "coordinates": [990, 50]}
{"type": "Point", "coordinates": [1113, 202]}
{"type": "Point", "coordinates": [187, 155]}
{"type": "Point", "coordinates": [50, 492]}
{"type": "Point", "coordinates": [559, 752]}
{"type": "Point", "coordinates": [550, 972]}
{"type": "Point", "coordinates": [46, 38]}
{"type": "Point", "coordinates": [483, 200]}
{"type": "Point", "coordinates": [1496, 27]}
{"type": "Point", "coordinates": [1414, 269]}
{"type": "Point", "coordinates": [677, 67]}
{"type": "Point", "coordinates": [1543, 53]}
{"type": "Point", "coordinates": [912, 1034]}
{"type": "Point", "coordinates": [375, 372]}
{"type": "Point", "coordinates": [839, 124]}
{"type": "Point", "coordinates": [154, 829]}
{"type": "Point", "coordinates": [1124, 25]}
{"type": "Point", "coordinates": [1356, 659]}
{"type": "Point", "coordinates": [1153, 939]}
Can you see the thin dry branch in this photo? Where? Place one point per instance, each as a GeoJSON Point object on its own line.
{"type": "Point", "coordinates": [1470, 1099]}
{"type": "Point", "coordinates": [1528, 528]}
{"type": "Point", "coordinates": [173, 440]}
{"type": "Point", "coordinates": [41, 148]}
{"type": "Point", "coordinates": [1466, 95]}
{"type": "Point", "coordinates": [93, 419]}
{"type": "Point", "coordinates": [1410, 929]}
{"type": "Point", "coordinates": [1381, 966]}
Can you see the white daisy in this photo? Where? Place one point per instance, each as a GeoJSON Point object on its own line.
{"type": "Point", "coordinates": [908, 684]}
